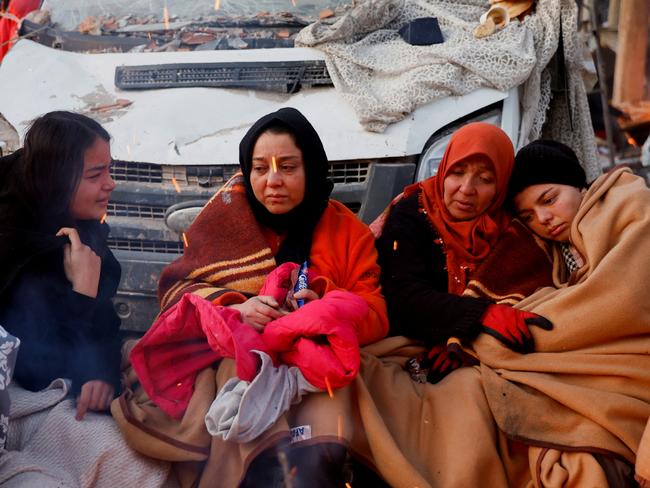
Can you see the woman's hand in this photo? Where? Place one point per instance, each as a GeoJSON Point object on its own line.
{"type": "Point", "coordinates": [82, 266]}
{"type": "Point", "coordinates": [95, 395]}
{"type": "Point", "coordinates": [305, 294]}
{"type": "Point", "coordinates": [258, 311]}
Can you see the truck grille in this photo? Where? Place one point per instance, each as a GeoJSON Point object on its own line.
{"type": "Point", "coordinates": [199, 176]}
{"type": "Point", "coordinates": [141, 172]}
{"type": "Point", "coordinates": [146, 246]}
{"type": "Point", "coordinates": [348, 172]}
{"type": "Point", "coordinates": [136, 211]}
{"type": "Point", "coordinates": [216, 175]}
{"type": "Point", "coordinates": [283, 76]}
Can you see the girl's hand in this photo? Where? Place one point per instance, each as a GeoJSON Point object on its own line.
{"type": "Point", "coordinates": [82, 266]}
{"type": "Point", "coordinates": [258, 311]}
{"type": "Point", "coordinates": [95, 395]}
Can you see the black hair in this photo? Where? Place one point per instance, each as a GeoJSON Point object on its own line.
{"type": "Point", "coordinates": [51, 163]}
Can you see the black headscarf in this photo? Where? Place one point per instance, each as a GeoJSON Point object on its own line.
{"type": "Point", "coordinates": [299, 223]}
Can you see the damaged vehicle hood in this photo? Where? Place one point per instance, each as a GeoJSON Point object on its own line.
{"type": "Point", "coordinates": [201, 125]}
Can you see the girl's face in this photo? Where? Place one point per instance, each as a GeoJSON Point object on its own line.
{"type": "Point", "coordinates": [278, 173]}
{"type": "Point", "coordinates": [469, 189]}
{"type": "Point", "coordinates": [548, 209]}
{"type": "Point", "coordinates": [90, 200]}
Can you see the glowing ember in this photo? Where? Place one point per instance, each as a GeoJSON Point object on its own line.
{"type": "Point", "coordinates": [176, 185]}
{"type": "Point", "coordinates": [348, 485]}
{"type": "Point", "coordinates": [631, 141]}
{"type": "Point", "coordinates": [185, 240]}
{"type": "Point", "coordinates": [329, 387]}
{"type": "Point", "coordinates": [275, 164]}
{"type": "Point", "coordinates": [103, 219]}
{"type": "Point", "coordinates": [217, 4]}
{"type": "Point", "coordinates": [166, 17]}
{"type": "Point", "coordinates": [394, 245]}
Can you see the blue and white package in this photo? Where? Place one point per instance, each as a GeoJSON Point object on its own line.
{"type": "Point", "coordinates": [301, 283]}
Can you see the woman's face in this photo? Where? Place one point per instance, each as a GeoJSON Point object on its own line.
{"type": "Point", "coordinates": [548, 209]}
{"type": "Point", "coordinates": [90, 200]}
{"type": "Point", "coordinates": [278, 173]}
{"type": "Point", "coordinates": [469, 188]}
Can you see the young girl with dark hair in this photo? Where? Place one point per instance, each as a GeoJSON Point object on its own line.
{"type": "Point", "coordinates": [58, 275]}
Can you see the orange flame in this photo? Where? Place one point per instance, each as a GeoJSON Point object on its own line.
{"type": "Point", "coordinates": [185, 240]}
{"type": "Point", "coordinates": [217, 4]}
{"type": "Point", "coordinates": [176, 185]}
{"type": "Point", "coordinates": [103, 219]}
{"type": "Point", "coordinates": [166, 17]}
{"type": "Point", "coordinates": [329, 387]}
{"type": "Point", "coordinates": [631, 141]}
{"type": "Point", "coordinates": [394, 245]}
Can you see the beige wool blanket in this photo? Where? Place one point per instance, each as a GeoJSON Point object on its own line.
{"type": "Point", "coordinates": [587, 386]}
{"type": "Point", "coordinates": [47, 446]}
{"type": "Point", "coordinates": [540, 419]}
{"type": "Point", "coordinates": [571, 414]}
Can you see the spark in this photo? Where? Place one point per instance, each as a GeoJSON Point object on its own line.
{"type": "Point", "coordinates": [275, 164]}
{"type": "Point", "coordinates": [394, 245]}
{"type": "Point", "coordinates": [329, 387]}
{"type": "Point", "coordinates": [217, 4]}
{"type": "Point", "coordinates": [176, 185]}
{"type": "Point", "coordinates": [166, 17]}
{"type": "Point", "coordinates": [631, 141]}
{"type": "Point", "coordinates": [348, 485]}
{"type": "Point", "coordinates": [293, 2]}
{"type": "Point", "coordinates": [185, 240]}
{"type": "Point", "coordinates": [103, 219]}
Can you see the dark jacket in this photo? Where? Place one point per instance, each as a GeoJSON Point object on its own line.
{"type": "Point", "coordinates": [414, 280]}
{"type": "Point", "coordinates": [63, 333]}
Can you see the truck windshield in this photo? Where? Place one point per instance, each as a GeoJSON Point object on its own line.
{"type": "Point", "coordinates": [68, 14]}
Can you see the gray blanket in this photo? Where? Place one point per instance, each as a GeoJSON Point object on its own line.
{"type": "Point", "coordinates": [244, 410]}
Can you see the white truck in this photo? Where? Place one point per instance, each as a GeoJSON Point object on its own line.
{"type": "Point", "coordinates": [176, 110]}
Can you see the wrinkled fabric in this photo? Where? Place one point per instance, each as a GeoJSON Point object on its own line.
{"type": "Point", "coordinates": [385, 79]}
{"type": "Point", "coordinates": [188, 337]}
{"type": "Point", "coordinates": [320, 339]}
{"type": "Point", "coordinates": [245, 410]}
{"type": "Point", "coordinates": [47, 446]}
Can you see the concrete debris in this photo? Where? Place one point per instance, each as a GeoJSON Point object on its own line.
{"type": "Point", "coordinates": [41, 17]}
{"type": "Point", "coordinates": [237, 43]}
{"type": "Point", "coordinates": [326, 14]}
{"type": "Point", "coordinates": [197, 38]}
{"type": "Point", "coordinates": [90, 25]}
